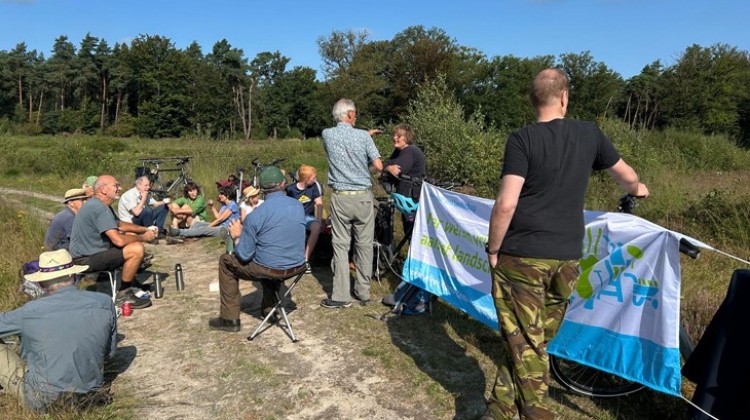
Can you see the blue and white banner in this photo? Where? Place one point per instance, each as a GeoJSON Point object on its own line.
{"type": "Point", "coordinates": [624, 315]}
{"type": "Point", "coordinates": [446, 255]}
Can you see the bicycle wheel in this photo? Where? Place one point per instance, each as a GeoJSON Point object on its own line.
{"type": "Point", "coordinates": [588, 381]}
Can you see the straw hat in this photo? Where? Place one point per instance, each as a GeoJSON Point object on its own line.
{"type": "Point", "coordinates": [75, 194]}
{"type": "Point", "coordinates": [55, 264]}
{"type": "Point", "coordinates": [250, 191]}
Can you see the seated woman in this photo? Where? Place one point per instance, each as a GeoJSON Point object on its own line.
{"type": "Point", "coordinates": [308, 191]}
{"type": "Point", "coordinates": [189, 208]}
{"type": "Point", "coordinates": [251, 202]}
{"type": "Point", "coordinates": [218, 227]}
{"type": "Point", "coordinates": [408, 160]}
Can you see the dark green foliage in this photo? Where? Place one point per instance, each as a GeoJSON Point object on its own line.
{"type": "Point", "coordinates": [151, 88]}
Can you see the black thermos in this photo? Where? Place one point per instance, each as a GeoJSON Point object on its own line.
{"type": "Point", "coordinates": [178, 277]}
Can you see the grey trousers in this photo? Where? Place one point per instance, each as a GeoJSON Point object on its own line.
{"type": "Point", "coordinates": [201, 229]}
{"type": "Point", "coordinates": [12, 371]}
{"type": "Point", "coordinates": [352, 215]}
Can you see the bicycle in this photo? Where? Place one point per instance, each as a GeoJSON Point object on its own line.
{"type": "Point", "coordinates": [258, 168]}
{"type": "Point", "coordinates": [151, 167]}
{"type": "Point", "coordinates": [591, 382]}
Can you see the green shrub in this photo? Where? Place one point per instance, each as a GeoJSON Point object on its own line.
{"type": "Point", "coordinates": [125, 126]}
{"type": "Point", "coordinates": [455, 148]}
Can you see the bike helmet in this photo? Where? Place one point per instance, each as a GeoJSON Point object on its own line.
{"type": "Point", "coordinates": [404, 204]}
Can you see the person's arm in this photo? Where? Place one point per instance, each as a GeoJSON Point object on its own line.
{"type": "Point", "coordinates": [120, 239]}
{"type": "Point", "coordinates": [377, 165]}
{"type": "Point", "coordinates": [136, 211]}
{"type": "Point", "coordinates": [318, 208]}
{"type": "Point", "coordinates": [244, 238]}
{"type": "Point", "coordinates": [221, 217]}
{"type": "Point", "coordinates": [213, 209]}
{"type": "Point", "coordinates": [502, 214]}
{"type": "Point", "coordinates": [393, 169]}
{"type": "Point", "coordinates": [127, 227]}
{"type": "Point", "coordinates": [628, 179]}
{"type": "Point", "coordinates": [10, 322]}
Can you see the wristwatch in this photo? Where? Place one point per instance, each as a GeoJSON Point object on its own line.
{"type": "Point", "coordinates": [487, 249]}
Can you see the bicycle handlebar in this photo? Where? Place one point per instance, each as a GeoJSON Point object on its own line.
{"type": "Point", "coordinates": [256, 162]}
{"type": "Point", "coordinates": [159, 159]}
{"type": "Point", "coordinates": [628, 202]}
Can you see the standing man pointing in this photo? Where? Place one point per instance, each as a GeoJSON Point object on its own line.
{"type": "Point", "coordinates": [351, 152]}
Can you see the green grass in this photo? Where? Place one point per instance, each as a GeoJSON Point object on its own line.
{"type": "Point", "coordinates": [698, 185]}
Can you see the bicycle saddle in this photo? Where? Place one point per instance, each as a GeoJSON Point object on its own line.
{"type": "Point", "coordinates": [404, 204]}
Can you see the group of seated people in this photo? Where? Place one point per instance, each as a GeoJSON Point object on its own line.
{"type": "Point", "coordinates": [77, 329]}
{"type": "Point", "coordinates": [268, 240]}
{"type": "Point", "coordinates": [107, 240]}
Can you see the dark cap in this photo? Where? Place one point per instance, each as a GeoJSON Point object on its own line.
{"type": "Point", "coordinates": [270, 177]}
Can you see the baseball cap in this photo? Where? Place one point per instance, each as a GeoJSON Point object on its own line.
{"type": "Point", "coordinates": [270, 176]}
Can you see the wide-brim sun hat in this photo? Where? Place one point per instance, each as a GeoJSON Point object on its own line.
{"type": "Point", "coordinates": [250, 191]}
{"type": "Point", "coordinates": [75, 194]}
{"type": "Point", "coordinates": [55, 264]}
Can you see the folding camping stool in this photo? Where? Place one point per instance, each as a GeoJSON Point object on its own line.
{"type": "Point", "coordinates": [112, 275]}
{"type": "Point", "coordinates": [280, 305]}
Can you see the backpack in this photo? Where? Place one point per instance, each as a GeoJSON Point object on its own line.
{"type": "Point", "coordinates": [408, 299]}
{"type": "Point", "coordinates": [30, 288]}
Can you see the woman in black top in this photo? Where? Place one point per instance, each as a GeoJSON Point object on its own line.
{"type": "Point", "coordinates": [405, 169]}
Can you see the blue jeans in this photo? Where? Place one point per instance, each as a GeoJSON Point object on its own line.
{"type": "Point", "coordinates": [201, 229]}
{"type": "Point", "coordinates": [152, 216]}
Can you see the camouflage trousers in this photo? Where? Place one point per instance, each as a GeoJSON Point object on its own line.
{"type": "Point", "coordinates": [531, 296]}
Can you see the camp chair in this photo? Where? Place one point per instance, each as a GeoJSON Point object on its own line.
{"type": "Point", "coordinates": [280, 305]}
{"type": "Point", "coordinates": [111, 274]}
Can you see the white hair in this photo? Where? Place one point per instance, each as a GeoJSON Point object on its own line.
{"type": "Point", "coordinates": [342, 107]}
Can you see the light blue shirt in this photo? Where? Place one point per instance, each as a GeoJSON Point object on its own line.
{"type": "Point", "coordinates": [65, 338]}
{"type": "Point", "coordinates": [234, 208]}
{"type": "Point", "coordinates": [350, 152]}
{"type": "Point", "coordinates": [273, 235]}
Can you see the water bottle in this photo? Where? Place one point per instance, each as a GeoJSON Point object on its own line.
{"type": "Point", "coordinates": [178, 277]}
{"type": "Point", "coordinates": [158, 288]}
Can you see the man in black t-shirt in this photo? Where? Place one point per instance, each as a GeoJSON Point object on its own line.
{"type": "Point", "coordinates": [535, 236]}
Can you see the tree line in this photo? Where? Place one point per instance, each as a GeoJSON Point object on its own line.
{"type": "Point", "coordinates": [150, 88]}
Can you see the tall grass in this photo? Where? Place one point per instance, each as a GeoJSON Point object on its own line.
{"type": "Point", "coordinates": [20, 241]}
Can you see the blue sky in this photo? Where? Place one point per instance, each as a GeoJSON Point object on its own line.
{"type": "Point", "coordinates": [624, 34]}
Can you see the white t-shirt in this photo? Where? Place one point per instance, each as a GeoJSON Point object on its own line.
{"type": "Point", "coordinates": [244, 205]}
{"type": "Point", "coordinates": [127, 202]}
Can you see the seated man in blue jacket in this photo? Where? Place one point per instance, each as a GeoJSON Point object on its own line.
{"type": "Point", "coordinates": [61, 226]}
{"type": "Point", "coordinates": [65, 337]}
{"type": "Point", "coordinates": [269, 245]}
